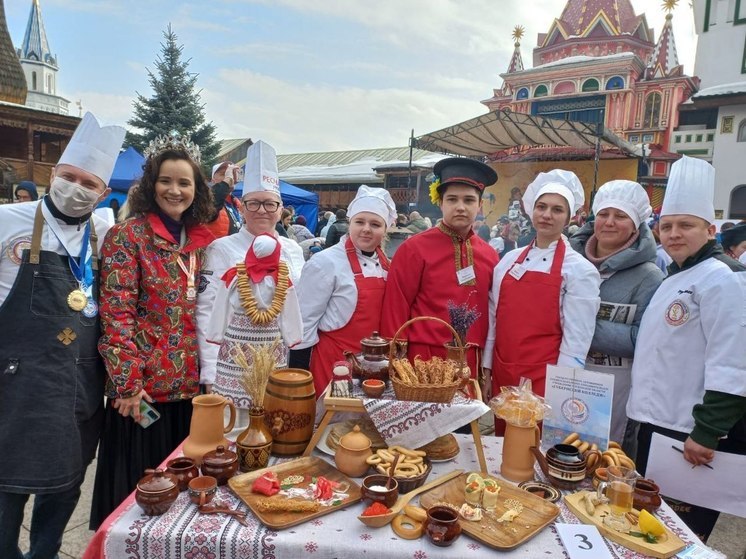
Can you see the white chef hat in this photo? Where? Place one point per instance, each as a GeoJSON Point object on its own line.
{"type": "Point", "coordinates": [628, 196]}
{"type": "Point", "coordinates": [94, 148]}
{"type": "Point", "coordinates": [375, 200]}
{"type": "Point", "coordinates": [264, 245]}
{"type": "Point", "coordinates": [690, 189]}
{"type": "Point", "coordinates": [261, 173]}
{"type": "Point", "coordinates": [556, 181]}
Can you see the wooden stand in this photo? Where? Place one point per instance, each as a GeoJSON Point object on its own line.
{"type": "Point", "coordinates": [333, 405]}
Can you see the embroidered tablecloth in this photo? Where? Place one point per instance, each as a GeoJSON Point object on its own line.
{"type": "Point", "coordinates": [413, 424]}
{"type": "Point", "coordinates": [184, 533]}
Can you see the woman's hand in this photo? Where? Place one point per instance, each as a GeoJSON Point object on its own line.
{"type": "Point", "coordinates": [131, 405]}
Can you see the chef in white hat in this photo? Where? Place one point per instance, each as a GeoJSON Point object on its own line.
{"type": "Point", "coordinates": [689, 372]}
{"type": "Point", "coordinates": [261, 206]}
{"type": "Point", "coordinates": [341, 289]}
{"type": "Point", "coordinates": [619, 243]}
{"type": "Point", "coordinates": [51, 374]}
{"type": "Point", "coordinates": [544, 297]}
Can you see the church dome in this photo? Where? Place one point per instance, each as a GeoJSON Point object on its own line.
{"type": "Point", "coordinates": [13, 87]}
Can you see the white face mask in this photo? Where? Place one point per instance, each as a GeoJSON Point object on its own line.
{"type": "Point", "coordinates": [72, 199]}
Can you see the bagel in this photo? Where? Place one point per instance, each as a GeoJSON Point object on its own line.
{"type": "Point", "coordinates": [627, 462]}
{"type": "Point", "coordinates": [373, 459]}
{"type": "Point", "coordinates": [576, 443]}
{"type": "Point", "coordinates": [415, 513]}
{"type": "Point", "coordinates": [614, 444]}
{"type": "Point", "coordinates": [608, 460]}
{"type": "Point", "coordinates": [400, 523]}
{"type": "Point", "coordinates": [571, 438]}
{"type": "Point", "coordinates": [386, 455]}
{"type": "Point", "coordinates": [584, 447]}
{"type": "Point", "coordinates": [408, 451]}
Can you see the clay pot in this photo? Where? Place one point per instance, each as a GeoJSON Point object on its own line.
{"type": "Point", "coordinates": [254, 444]}
{"type": "Point", "coordinates": [290, 410]}
{"type": "Point", "coordinates": [202, 489]}
{"type": "Point", "coordinates": [386, 496]}
{"type": "Point", "coordinates": [646, 495]}
{"type": "Point", "coordinates": [207, 429]}
{"type": "Point", "coordinates": [185, 470]}
{"type": "Point", "coordinates": [156, 492]}
{"type": "Point", "coordinates": [221, 464]}
{"type": "Point", "coordinates": [352, 452]}
{"type": "Point", "coordinates": [441, 526]}
{"type": "Point", "coordinates": [373, 388]}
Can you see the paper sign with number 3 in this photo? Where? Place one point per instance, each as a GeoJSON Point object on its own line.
{"type": "Point", "coordinates": [583, 541]}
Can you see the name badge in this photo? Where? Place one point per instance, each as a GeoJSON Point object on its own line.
{"type": "Point", "coordinates": [517, 271]}
{"type": "Point", "coordinates": [465, 275]}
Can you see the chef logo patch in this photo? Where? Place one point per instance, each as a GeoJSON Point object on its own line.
{"type": "Point", "coordinates": [16, 247]}
{"type": "Point", "coordinates": [677, 313]}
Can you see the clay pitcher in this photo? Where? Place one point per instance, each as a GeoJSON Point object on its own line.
{"type": "Point", "coordinates": [518, 460]}
{"type": "Point", "coordinates": [206, 431]}
{"type": "Point", "coordinates": [290, 410]}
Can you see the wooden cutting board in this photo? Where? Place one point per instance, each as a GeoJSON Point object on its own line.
{"type": "Point", "coordinates": [308, 467]}
{"type": "Point", "coordinates": [663, 549]}
{"type": "Point", "coordinates": [536, 515]}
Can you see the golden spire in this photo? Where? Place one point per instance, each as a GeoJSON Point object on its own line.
{"type": "Point", "coordinates": [518, 32]}
{"type": "Point", "coordinates": [669, 5]}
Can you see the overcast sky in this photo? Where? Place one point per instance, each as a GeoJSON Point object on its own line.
{"type": "Point", "coordinates": [307, 75]}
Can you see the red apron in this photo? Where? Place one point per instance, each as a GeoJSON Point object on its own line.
{"type": "Point", "coordinates": [365, 320]}
{"type": "Point", "coordinates": [529, 330]}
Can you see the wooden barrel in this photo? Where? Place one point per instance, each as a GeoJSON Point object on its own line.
{"type": "Point", "coordinates": [290, 410]}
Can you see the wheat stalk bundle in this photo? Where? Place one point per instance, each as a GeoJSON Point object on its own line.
{"type": "Point", "coordinates": [255, 376]}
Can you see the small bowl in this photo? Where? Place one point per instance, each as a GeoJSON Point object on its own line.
{"type": "Point", "coordinates": [202, 489]}
{"type": "Point", "coordinates": [373, 388]}
{"type": "Point", "coordinates": [184, 468]}
{"type": "Point", "coordinates": [407, 484]}
{"type": "Point", "coordinates": [386, 496]}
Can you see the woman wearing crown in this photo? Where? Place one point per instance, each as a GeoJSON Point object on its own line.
{"type": "Point", "coordinates": [246, 293]}
{"type": "Point", "coordinates": [148, 302]}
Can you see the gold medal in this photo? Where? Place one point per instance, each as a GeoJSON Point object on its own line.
{"type": "Point", "coordinates": [77, 300]}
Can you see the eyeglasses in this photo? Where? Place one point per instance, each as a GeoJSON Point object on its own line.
{"type": "Point", "coordinates": [269, 206]}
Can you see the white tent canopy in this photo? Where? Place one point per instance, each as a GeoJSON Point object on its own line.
{"type": "Point", "coordinates": [500, 130]}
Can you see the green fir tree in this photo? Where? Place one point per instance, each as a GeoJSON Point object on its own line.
{"type": "Point", "coordinates": [174, 106]}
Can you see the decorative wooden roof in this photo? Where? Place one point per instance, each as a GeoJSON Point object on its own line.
{"type": "Point", "coordinates": [13, 87]}
{"type": "Point", "coordinates": [35, 44]}
{"type": "Point", "coordinates": [665, 62]}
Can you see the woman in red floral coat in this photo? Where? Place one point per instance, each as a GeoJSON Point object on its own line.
{"type": "Point", "coordinates": [148, 299]}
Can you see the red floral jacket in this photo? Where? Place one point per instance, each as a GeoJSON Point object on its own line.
{"type": "Point", "coordinates": [149, 337]}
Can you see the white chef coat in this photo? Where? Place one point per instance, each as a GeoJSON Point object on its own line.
{"type": "Point", "coordinates": [327, 290]}
{"type": "Point", "coordinates": [691, 339]}
{"type": "Point", "coordinates": [217, 302]}
{"type": "Point", "coordinates": [579, 299]}
{"type": "Point", "coordinates": [16, 228]}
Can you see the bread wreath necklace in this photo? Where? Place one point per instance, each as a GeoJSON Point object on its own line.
{"type": "Point", "coordinates": [248, 301]}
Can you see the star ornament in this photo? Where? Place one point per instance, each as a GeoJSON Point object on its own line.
{"type": "Point", "coordinates": [519, 31]}
{"type": "Point", "coordinates": [669, 5]}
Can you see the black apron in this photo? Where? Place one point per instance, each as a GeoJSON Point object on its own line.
{"type": "Point", "coordinates": [51, 376]}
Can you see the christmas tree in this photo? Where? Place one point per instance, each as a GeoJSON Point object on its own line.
{"type": "Point", "coordinates": [174, 106]}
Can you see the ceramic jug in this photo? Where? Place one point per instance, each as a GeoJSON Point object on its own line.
{"type": "Point", "coordinates": [207, 430]}
{"type": "Point", "coordinates": [518, 460]}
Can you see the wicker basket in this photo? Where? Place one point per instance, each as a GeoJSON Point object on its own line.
{"type": "Point", "coordinates": [436, 393]}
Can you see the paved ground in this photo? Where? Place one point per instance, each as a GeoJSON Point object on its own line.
{"type": "Point", "coordinates": [727, 536]}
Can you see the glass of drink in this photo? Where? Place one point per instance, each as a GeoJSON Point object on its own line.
{"type": "Point", "coordinates": [619, 492]}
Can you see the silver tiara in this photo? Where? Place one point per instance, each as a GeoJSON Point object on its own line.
{"type": "Point", "coordinates": [173, 142]}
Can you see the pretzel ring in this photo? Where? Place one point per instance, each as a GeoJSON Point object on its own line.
{"type": "Point", "coordinates": [400, 523]}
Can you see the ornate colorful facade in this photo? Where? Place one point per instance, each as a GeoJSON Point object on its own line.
{"type": "Point", "coordinates": [600, 62]}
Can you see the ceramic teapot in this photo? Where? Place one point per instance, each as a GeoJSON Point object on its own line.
{"type": "Point", "coordinates": [373, 360]}
{"type": "Point", "coordinates": [564, 465]}
{"type": "Point", "coordinates": [352, 453]}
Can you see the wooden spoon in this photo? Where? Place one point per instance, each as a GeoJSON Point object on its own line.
{"type": "Point", "coordinates": [382, 520]}
{"type": "Point", "coordinates": [392, 469]}
{"type": "Point", "coordinates": [210, 508]}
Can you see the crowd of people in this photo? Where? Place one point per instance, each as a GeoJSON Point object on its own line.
{"type": "Point", "coordinates": [146, 314]}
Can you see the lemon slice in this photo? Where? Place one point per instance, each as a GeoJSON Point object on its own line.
{"type": "Point", "coordinates": [475, 477]}
{"type": "Point", "coordinates": [649, 524]}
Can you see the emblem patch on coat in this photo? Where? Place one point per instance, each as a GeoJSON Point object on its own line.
{"type": "Point", "coordinates": [677, 313]}
{"type": "Point", "coordinates": [16, 247]}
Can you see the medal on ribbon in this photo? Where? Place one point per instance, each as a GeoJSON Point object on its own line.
{"type": "Point", "coordinates": [81, 299]}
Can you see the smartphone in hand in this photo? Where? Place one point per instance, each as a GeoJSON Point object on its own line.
{"type": "Point", "coordinates": [148, 414]}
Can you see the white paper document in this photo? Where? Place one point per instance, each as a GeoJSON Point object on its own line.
{"type": "Point", "coordinates": [583, 541]}
{"type": "Point", "coordinates": [721, 488]}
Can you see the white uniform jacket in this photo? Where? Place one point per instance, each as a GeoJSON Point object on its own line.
{"type": "Point", "coordinates": [217, 302]}
{"type": "Point", "coordinates": [692, 338]}
{"type": "Point", "coordinates": [579, 300]}
{"type": "Point", "coordinates": [327, 290]}
{"type": "Point", "coordinates": [16, 227]}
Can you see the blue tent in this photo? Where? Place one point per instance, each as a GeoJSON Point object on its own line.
{"type": "Point", "coordinates": [127, 170]}
{"type": "Point", "coordinates": [305, 203]}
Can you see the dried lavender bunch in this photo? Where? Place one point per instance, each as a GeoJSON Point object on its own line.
{"type": "Point", "coordinates": [462, 317]}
